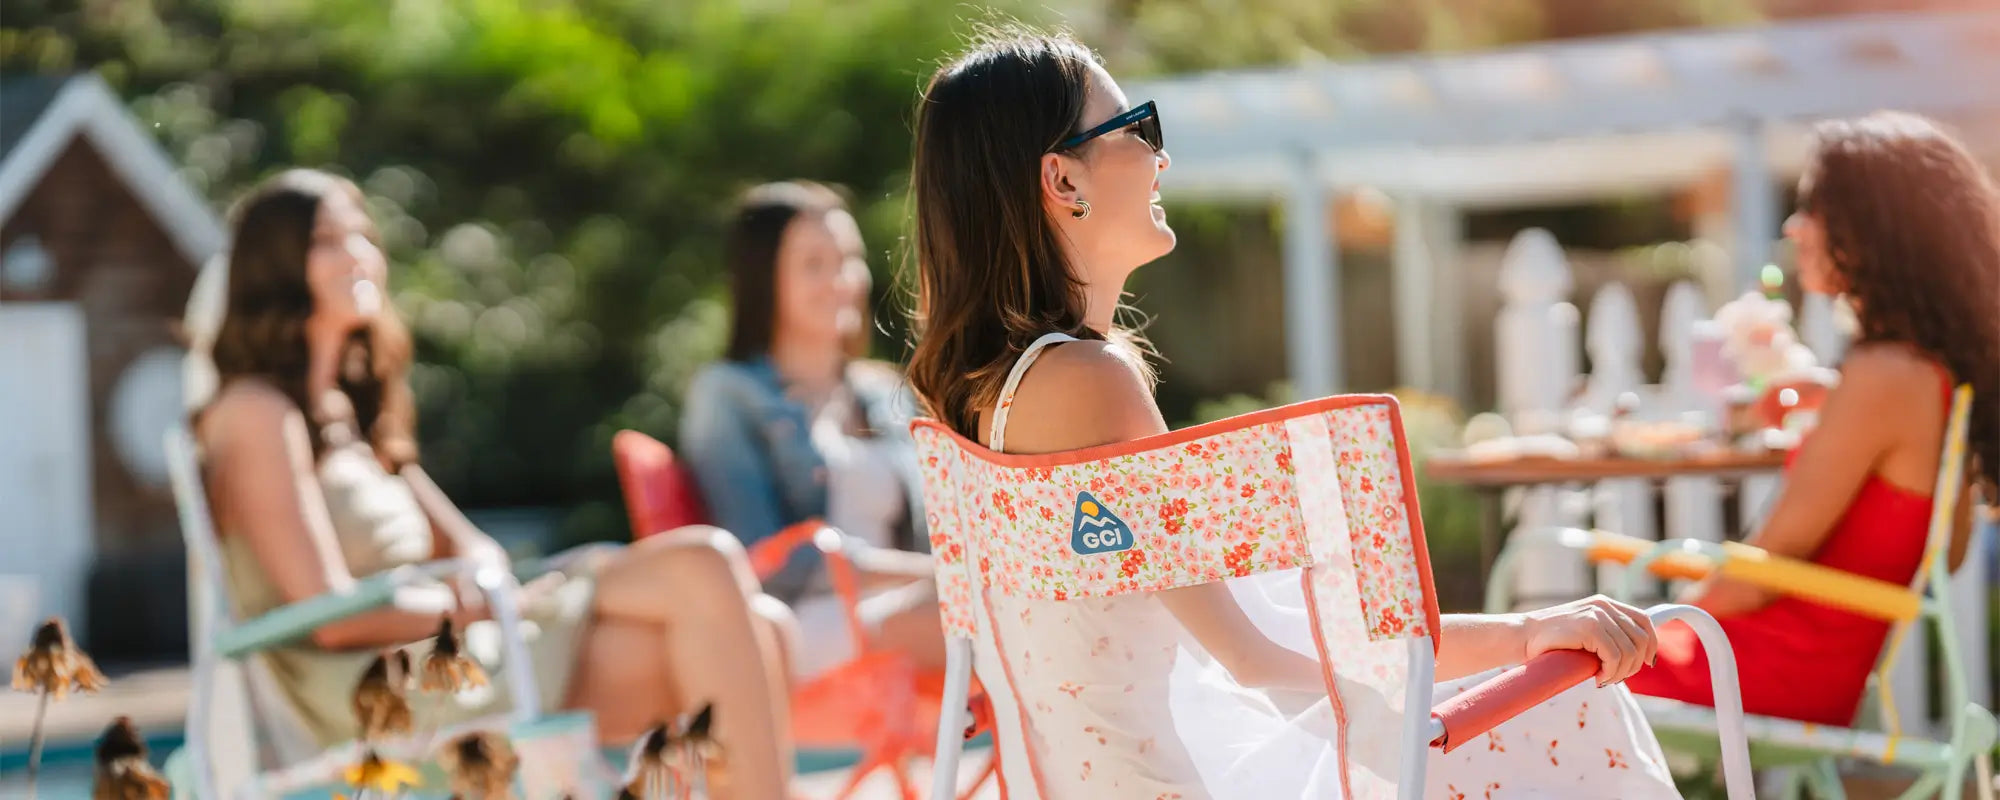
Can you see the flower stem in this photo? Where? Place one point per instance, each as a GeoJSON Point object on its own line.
{"type": "Point", "coordinates": [35, 744]}
{"type": "Point", "coordinates": [432, 726]}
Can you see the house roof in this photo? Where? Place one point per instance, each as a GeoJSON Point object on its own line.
{"type": "Point", "coordinates": [1569, 119]}
{"type": "Point", "coordinates": [23, 98]}
{"type": "Point", "coordinates": [40, 115]}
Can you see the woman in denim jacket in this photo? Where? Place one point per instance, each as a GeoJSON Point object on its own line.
{"type": "Point", "coordinates": [792, 425]}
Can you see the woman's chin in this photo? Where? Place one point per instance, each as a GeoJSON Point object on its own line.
{"type": "Point", "coordinates": [1163, 242]}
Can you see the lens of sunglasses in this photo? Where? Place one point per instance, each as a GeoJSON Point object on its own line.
{"type": "Point", "coordinates": [1149, 129]}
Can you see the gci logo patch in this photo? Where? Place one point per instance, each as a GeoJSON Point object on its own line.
{"type": "Point", "coordinates": [1096, 529]}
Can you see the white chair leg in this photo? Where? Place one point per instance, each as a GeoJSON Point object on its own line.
{"type": "Point", "coordinates": [503, 595]}
{"type": "Point", "coordinates": [951, 719]}
{"type": "Point", "coordinates": [1736, 772]}
{"type": "Point", "coordinates": [1418, 733]}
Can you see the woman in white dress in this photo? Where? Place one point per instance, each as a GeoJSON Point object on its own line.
{"type": "Point", "coordinates": [1036, 188]}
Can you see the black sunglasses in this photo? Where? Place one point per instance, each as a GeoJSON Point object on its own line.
{"type": "Point", "coordinates": [1146, 116]}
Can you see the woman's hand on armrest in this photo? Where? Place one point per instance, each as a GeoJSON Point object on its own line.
{"type": "Point", "coordinates": [1621, 636]}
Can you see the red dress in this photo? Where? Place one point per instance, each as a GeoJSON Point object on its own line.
{"type": "Point", "coordinates": [1796, 658]}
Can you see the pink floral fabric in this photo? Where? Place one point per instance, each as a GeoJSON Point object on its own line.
{"type": "Point", "coordinates": [1200, 512]}
{"type": "Point", "coordinates": [1380, 510]}
{"type": "Point", "coordinates": [1224, 505]}
{"type": "Point", "coordinates": [948, 528]}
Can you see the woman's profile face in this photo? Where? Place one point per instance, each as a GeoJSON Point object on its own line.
{"type": "Point", "coordinates": [1120, 177]}
{"type": "Point", "coordinates": [1817, 273]}
{"type": "Point", "coordinates": [345, 270]}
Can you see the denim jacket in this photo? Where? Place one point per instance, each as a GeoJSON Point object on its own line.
{"type": "Point", "coordinates": [751, 452]}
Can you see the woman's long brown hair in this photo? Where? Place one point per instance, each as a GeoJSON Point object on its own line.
{"type": "Point", "coordinates": [991, 273]}
{"type": "Point", "coordinates": [263, 333]}
{"type": "Point", "coordinates": [1913, 229]}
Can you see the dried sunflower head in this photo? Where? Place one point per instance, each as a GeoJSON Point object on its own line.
{"type": "Point", "coordinates": [123, 773]}
{"type": "Point", "coordinates": [54, 664]}
{"type": "Point", "coordinates": [654, 769]}
{"type": "Point", "coordinates": [382, 775]}
{"type": "Point", "coordinates": [380, 704]}
{"type": "Point", "coordinates": [448, 668]}
{"type": "Point", "coordinates": [481, 766]}
{"type": "Point", "coordinates": [696, 734]}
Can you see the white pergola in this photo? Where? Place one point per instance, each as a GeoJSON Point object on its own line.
{"type": "Point", "coordinates": [1543, 124]}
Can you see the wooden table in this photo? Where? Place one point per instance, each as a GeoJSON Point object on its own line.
{"type": "Point", "coordinates": [1544, 471]}
{"type": "Point", "coordinates": [1490, 478]}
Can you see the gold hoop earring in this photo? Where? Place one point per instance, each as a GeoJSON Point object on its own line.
{"type": "Point", "coordinates": [1082, 209]}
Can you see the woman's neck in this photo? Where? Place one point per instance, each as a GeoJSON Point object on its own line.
{"type": "Point", "coordinates": [1100, 305]}
{"type": "Point", "coordinates": [813, 366]}
{"type": "Point", "coordinates": [1100, 293]}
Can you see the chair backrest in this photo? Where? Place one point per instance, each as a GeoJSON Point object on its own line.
{"type": "Point", "coordinates": [1933, 577]}
{"type": "Point", "coordinates": [1307, 513]}
{"type": "Point", "coordinates": [660, 493]}
{"type": "Point", "coordinates": [238, 719]}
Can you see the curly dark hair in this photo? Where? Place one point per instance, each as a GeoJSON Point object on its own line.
{"type": "Point", "coordinates": [263, 332]}
{"type": "Point", "coordinates": [1913, 229]}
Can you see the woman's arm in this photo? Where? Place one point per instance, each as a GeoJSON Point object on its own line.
{"type": "Point", "coordinates": [738, 483]}
{"type": "Point", "coordinates": [262, 480]}
{"type": "Point", "coordinates": [1860, 423]}
{"type": "Point", "coordinates": [730, 467]}
{"type": "Point", "coordinates": [453, 535]}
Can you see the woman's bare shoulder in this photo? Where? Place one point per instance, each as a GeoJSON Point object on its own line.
{"type": "Point", "coordinates": [1082, 394]}
{"type": "Point", "coordinates": [246, 410]}
{"type": "Point", "coordinates": [1887, 377]}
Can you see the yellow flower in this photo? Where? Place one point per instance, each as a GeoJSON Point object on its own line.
{"type": "Point", "coordinates": [381, 775]}
{"type": "Point", "coordinates": [123, 773]}
{"type": "Point", "coordinates": [481, 766]}
{"type": "Point", "coordinates": [379, 702]}
{"type": "Point", "coordinates": [448, 668]}
{"type": "Point", "coordinates": [54, 664]}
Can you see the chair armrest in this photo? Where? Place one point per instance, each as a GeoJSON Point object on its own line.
{"type": "Point", "coordinates": [1694, 559]}
{"type": "Point", "coordinates": [1857, 593]}
{"type": "Point", "coordinates": [1603, 546]}
{"type": "Point", "coordinates": [1507, 695]}
{"type": "Point", "coordinates": [770, 555]}
{"type": "Point", "coordinates": [409, 587]}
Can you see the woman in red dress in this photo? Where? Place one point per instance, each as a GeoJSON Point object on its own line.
{"type": "Point", "coordinates": [1898, 218]}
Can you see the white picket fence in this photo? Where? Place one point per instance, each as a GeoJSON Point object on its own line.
{"type": "Point", "coordinates": [1539, 337]}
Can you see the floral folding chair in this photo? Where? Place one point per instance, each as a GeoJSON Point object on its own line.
{"type": "Point", "coordinates": [243, 740]}
{"type": "Point", "coordinates": [877, 706]}
{"type": "Point", "coordinates": [1307, 515]}
{"type": "Point", "coordinates": [1877, 737]}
